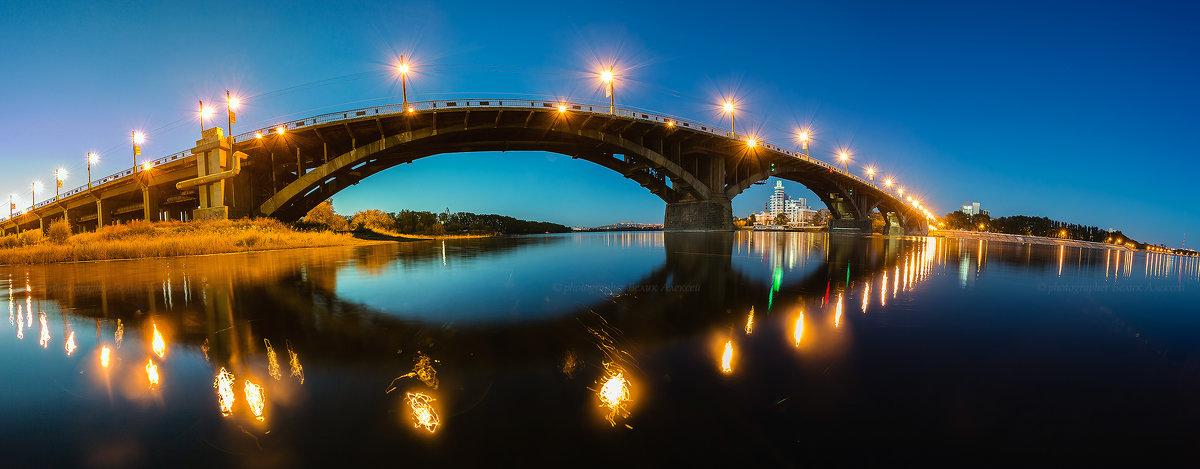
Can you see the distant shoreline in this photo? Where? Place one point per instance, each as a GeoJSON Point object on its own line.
{"type": "Point", "coordinates": [1012, 238]}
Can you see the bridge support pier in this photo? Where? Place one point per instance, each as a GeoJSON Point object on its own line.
{"type": "Point", "coordinates": [699, 215]}
{"type": "Point", "coordinates": [850, 225]}
{"type": "Point", "coordinates": [103, 215]}
{"type": "Point", "coordinates": [150, 202]}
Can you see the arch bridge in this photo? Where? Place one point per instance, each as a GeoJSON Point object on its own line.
{"type": "Point", "coordinates": [285, 171]}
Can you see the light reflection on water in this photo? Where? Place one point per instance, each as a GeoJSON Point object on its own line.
{"type": "Point", "coordinates": [528, 334]}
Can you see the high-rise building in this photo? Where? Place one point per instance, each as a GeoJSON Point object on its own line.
{"type": "Point", "coordinates": [796, 210]}
{"type": "Point", "coordinates": [972, 208]}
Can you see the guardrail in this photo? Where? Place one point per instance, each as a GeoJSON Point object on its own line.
{"type": "Point", "coordinates": [504, 103]}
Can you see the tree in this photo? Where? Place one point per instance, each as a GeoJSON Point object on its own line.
{"type": "Point", "coordinates": [821, 218]}
{"type": "Point", "coordinates": [324, 215]}
{"type": "Point", "coordinates": [372, 220]}
{"type": "Point", "coordinates": [781, 219]}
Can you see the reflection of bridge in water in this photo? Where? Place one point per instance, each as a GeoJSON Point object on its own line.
{"type": "Point", "coordinates": [285, 171]}
{"type": "Point", "coordinates": [231, 303]}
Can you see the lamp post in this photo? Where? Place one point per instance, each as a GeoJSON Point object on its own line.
{"type": "Point", "coordinates": [871, 175]}
{"type": "Point", "coordinates": [804, 141]}
{"type": "Point", "coordinates": [845, 157]}
{"type": "Point", "coordinates": [231, 104]}
{"type": "Point", "coordinates": [888, 183]}
{"type": "Point", "coordinates": [59, 175]}
{"type": "Point", "coordinates": [731, 110]}
{"type": "Point", "coordinates": [138, 139]}
{"type": "Point", "coordinates": [610, 84]}
{"type": "Point", "coordinates": [92, 158]}
{"type": "Point", "coordinates": [404, 80]}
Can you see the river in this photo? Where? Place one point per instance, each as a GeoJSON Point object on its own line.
{"type": "Point", "coordinates": [786, 349]}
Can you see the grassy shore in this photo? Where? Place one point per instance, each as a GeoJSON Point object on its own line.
{"type": "Point", "coordinates": [140, 239]}
{"type": "Point", "coordinates": [1012, 238]}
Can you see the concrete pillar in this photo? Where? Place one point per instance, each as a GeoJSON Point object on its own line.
{"type": "Point", "coordinates": [699, 215]}
{"type": "Point", "coordinates": [103, 215]}
{"type": "Point", "coordinates": [150, 201]}
{"type": "Point", "coordinates": [212, 157]}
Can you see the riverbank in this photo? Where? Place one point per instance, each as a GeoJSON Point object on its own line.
{"type": "Point", "coordinates": [140, 239]}
{"type": "Point", "coordinates": [1011, 238]}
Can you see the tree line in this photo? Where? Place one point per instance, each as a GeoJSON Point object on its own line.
{"type": "Point", "coordinates": [1033, 226]}
{"type": "Point", "coordinates": [426, 223]}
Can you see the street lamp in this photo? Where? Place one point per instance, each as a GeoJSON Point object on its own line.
{"type": "Point", "coordinates": [138, 139]}
{"type": "Point", "coordinates": [888, 183]}
{"type": "Point", "coordinates": [871, 174]}
{"type": "Point", "coordinates": [231, 104]}
{"type": "Point", "coordinates": [804, 141]}
{"type": "Point", "coordinates": [900, 191]}
{"type": "Point", "coordinates": [610, 83]}
{"type": "Point", "coordinates": [403, 69]}
{"type": "Point", "coordinates": [845, 157]}
{"type": "Point", "coordinates": [204, 112]}
{"type": "Point", "coordinates": [729, 109]}
{"type": "Point", "coordinates": [60, 175]}
{"type": "Point", "coordinates": [92, 158]}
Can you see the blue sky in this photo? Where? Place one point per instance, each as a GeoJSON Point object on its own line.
{"type": "Point", "coordinates": [1083, 112]}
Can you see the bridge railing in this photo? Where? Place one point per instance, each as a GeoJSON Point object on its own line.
{"type": "Point", "coordinates": [503, 103]}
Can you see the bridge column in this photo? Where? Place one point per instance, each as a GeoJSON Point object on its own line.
{"type": "Point", "coordinates": [895, 226]}
{"type": "Point", "coordinates": [103, 215]}
{"type": "Point", "coordinates": [150, 201]}
{"type": "Point", "coordinates": [715, 214]}
{"type": "Point", "coordinates": [216, 179]}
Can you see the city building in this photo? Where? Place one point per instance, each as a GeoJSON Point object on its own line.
{"type": "Point", "coordinates": [796, 210]}
{"type": "Point", "coordinates": [972, 208]}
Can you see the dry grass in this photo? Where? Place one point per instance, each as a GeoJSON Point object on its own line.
{"type": "Point", "coordinates": [140, 239]}
{"type": "Point", "coordinates": [389, 235]}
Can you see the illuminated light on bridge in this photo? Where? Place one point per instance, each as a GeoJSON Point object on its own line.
{"type": "Point", "coordinates": [206, 112]}
{"type": "Point", "coordinates": [279, 130]}
{"type": "Point", "coordinates": [258, 134]}
{"type": "Point", "coordinates": [147, 165]}
{"type": "Point", "coordinates": [730, 109]}
{"type": "Point", "coordinates": [888, 182]}
{"type": "Point", "coordinates": [670, 123]}
{"type": "Point", "coordinates": [234, 103]}
{"type": "Point", "coordinates": [139, 137]}
{"type": "Point", "coordinates": [803, 137]}
{"type": "Point", "coordinates": [900, 190]}
{"type": "Point", "coordinates": [93, 158]}
{"type": "Point", "coordinates": [562, 108]}
{"type": "Point", "coordinates": [752, 143]}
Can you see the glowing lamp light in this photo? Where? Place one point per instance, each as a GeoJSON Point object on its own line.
{"type": "Point", "coordinates": [411, 109]}
{"type": "Point", "coordinates": [888, 183]}
{"type": "Point", "coordinates": [258, 135]}
{"type": "Point", "coordinates": [206, 112]}
{"type": "Point", "coordinates": [728, 106]}
{"type": "Point", "coordinates": [870, 171]}
{"type": "Point", "coordinates": [93, 158]}
{"type": "Point", "coordinates": [280, 130]}
{"type": "Point", "coordinates": [901, 191]}
{"type": "Point", "coordinates": [60, 174]}
{"type": "Point", "coordinates": [844, 156]}
{"type": "Point", "coordinates": [234, 103]}
{"type": "Point", "coordinates": [670, 123]}
{"type": "Point", "coordinates": [146, 166]}
{"type": "Point", "coordinates": [752, 143]}
{"type": "Point", "coordinates": [562, 108]}
{"type": "Point", "coordinates": [804, 136]}
{"type": "Point", "coordinates": [403, 68]}
{"type": "Point", "coordinates": [139, 138]}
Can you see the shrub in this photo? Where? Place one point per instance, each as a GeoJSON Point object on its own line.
{"type": "Point", "coordinates": [323, 214]}
{"type": "Point", "coordinates": [372, 220]}
{"type": "Point", "coordinates": [59, 231]}
{"type": "Point", "coordinates": [29, 238]}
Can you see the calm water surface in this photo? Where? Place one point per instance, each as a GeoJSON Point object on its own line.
{"type": "Point", "coordinates": [788, 349]}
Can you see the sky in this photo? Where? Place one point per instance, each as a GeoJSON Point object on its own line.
{"type": "Point", "coordinates": [1084, 112]}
